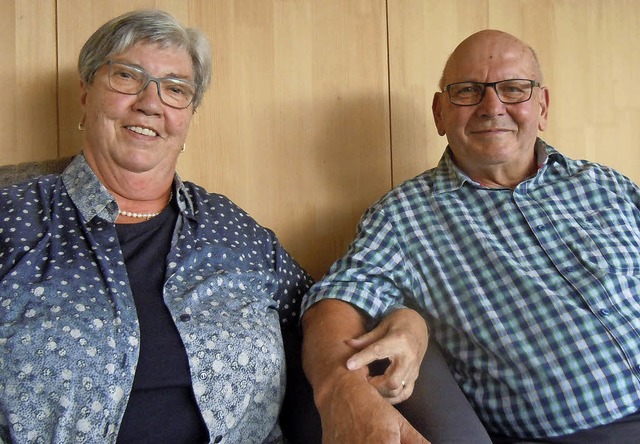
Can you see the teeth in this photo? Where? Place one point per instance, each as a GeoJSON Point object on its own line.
{"type": "Point", "coordinates": [143, 131]}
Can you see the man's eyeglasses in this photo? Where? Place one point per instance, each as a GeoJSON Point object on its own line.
{"type": "Point", "coordinates": [509, 91]}
{"type": "Point", "coordinates": [129, 79]}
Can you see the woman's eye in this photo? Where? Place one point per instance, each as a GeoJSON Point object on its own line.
{"type": "Point", "coordinates": [125, 75]}
{"type": "Point", "coordinates": [177, 90]}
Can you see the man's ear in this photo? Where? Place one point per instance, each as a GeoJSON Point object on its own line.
{"type": "Point", "coordinates": [544, 108]}
{"type": "Point", "coordinates": [436, 108]}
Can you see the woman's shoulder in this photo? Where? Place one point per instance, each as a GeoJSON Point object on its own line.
{"type": "Point", "coordinates": [30, 195]}
{"type": "Point", "coordinates": [217, 209]}
{"type": "Point", "coordinates": [204, 200]}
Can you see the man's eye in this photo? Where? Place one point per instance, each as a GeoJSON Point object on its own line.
{"type": "Point", "coordinates": [468, 90]}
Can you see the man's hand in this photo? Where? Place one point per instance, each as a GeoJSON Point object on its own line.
{"type": "Point", "coordinates": [353, 412]}
{"type": "Point", "coordinates": [402, 338]}
{"type": "Point", "coordinates": [351, 409]}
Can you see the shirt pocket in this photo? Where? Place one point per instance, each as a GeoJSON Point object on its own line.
{"type": "Point", "coordinates": [611, 239]}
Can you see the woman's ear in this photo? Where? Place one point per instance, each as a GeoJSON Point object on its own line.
{"type": "Point", "coordinates": [83, 93]}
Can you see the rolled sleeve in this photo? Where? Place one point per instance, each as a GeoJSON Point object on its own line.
{"type": "Point", "coordinates": [371, 275]}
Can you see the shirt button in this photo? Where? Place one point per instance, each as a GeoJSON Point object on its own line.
{"type": "Point", "coordinates": [218, 439]}
{"type": "Point", "coordinates": [184, 317]}
{"type": "Point", "coordinates": [605, 312]}
{"type": "Point", "coordinates": [540, 227]}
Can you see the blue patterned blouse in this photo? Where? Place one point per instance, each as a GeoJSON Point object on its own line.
{"type": "Point", "coordinates": [69, 333]}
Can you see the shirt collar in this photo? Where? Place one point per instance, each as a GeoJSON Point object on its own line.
{"type": "Point", "coordinates": [185, 203]}
{"type": "Point", "coordinates": [449, 177]}
{"type": "Point", "coordinates": [92, 199]}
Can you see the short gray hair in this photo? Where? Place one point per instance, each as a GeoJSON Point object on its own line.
{"type": "Point", "coordinates": [152, 26]}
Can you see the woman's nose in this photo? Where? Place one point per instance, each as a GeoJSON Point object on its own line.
{"type": "Point", "coordinates": [149, 99]}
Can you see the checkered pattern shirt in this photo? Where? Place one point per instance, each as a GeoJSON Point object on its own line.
{"type": "Point", "coordinates": [534, 293]}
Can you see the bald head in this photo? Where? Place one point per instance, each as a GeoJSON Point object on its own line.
{"type": "Point", "coordinates": [490, 140]}
{"type": "Point", "coordinates": [483, 49]}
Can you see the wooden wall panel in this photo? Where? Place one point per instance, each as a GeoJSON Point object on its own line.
{"type": "Point", "coordinates": [28, 122]}
{"type": "Point", "coordinates": [422, 34]}
{"type": "Point", "coordinates": [310, 118]}
{"type": "Point", "coordinates": [295, 128]}
{"type": "Point", "coordinates": [586, 48]}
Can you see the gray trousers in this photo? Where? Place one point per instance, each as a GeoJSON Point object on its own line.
{"type": "Point", "coordinates": [438, 409]}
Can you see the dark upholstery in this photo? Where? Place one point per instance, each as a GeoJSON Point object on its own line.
{"type": "Point", "coordinates": [10, 174]}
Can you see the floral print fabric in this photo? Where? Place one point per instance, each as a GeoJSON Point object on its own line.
{"type": "Point", "coordinates": [69, 333]}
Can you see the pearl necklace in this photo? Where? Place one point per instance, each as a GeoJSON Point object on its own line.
{"type": "Point", "coordinates": [145, 215]}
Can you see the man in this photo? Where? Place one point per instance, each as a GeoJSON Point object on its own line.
{"type": "Point", "coordinates": [524, 263]}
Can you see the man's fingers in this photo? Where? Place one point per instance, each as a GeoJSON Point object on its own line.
{"type": "Point", "coordinates": [364, 357]}
{"type": "Point", "coordinates": [368, 338]}
{"type": "Point", "coordinates": [371, 346]}
{"type": "Point", "coordinates": [394, 394]}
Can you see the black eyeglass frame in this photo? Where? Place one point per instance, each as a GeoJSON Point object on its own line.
{"type": "Point", "coordinates": [533, 83]}
{"type": "Point", "coordinates": [148, 78]}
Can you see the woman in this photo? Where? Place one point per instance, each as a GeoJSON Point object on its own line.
{"type": "Point", "coordinates": [136, 307]}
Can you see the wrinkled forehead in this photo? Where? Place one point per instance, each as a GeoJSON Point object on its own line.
{"type": "Point", "coordinates": [159, 58]}
{"type": "Point", "coordinates": [487, 57]}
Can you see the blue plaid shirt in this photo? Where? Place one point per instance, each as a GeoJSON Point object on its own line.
{"type": "Point", "coordinates": [534, 293]}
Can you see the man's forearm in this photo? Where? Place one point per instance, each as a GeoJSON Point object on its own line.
{"type": "Point", "coordinates": [327, 326]}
